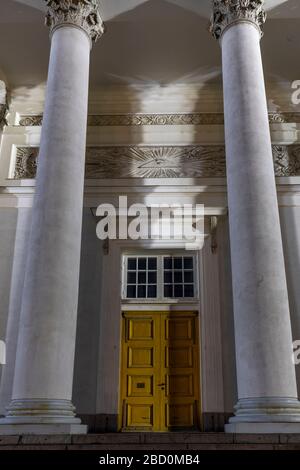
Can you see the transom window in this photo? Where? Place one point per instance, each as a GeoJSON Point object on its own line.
{"type": "Point", "coordinates": [159, 277]}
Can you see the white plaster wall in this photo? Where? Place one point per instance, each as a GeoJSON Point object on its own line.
{"type": "Point", "coordinates": [227, 324]}
{"type": "Point", "coordinates": [88, 320]}
{"type": "Point", "coordinates": [290, 227]}
{"type": "Point", "coordinates": [19, 236]}
{"type": "Point", "coordinates": [8, 223]}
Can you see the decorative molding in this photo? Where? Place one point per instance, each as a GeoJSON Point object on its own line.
{"type": "Point", "coordinates": [158, 161]}
{"type": "Point", "coordinates": [83, 14]}
{"type": "Point", "coordinates": [195, 119]}
{"type": "Point", "coordinates": [26, 162]}
{"type": "Point", "coordinates": [227, 12]}
{"type": "Point", "coordinates": [284, 118]}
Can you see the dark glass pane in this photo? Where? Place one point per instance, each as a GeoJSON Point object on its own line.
{"type": "Point", "coordinates": [151, 291]}
{"type": "Point", "coordinates": [152, 263]}
{"type": "Point", "coordinates": [131, 292]}
{"type": "Point", "coordinates": [142, 263]}
{"type": "Point", "coordinates": [188, 263]}
{"type": "Point", "coordinates": [177, 276]}
{"type": "Point", "coordinates": [131, 278]}
{"type": "Point", "coordinates": [152, 278]}
{"type": "Point", "coordinates": [168, 291]}
{"type": "Point", "coordinates": [131, 264]}
{"type": "Point", "coordinates": [189, 291]}
{"type": "Point", "coordinates": [142, 277]}
{"type": "Point", "coordinates": [168, 277]}
{"type": "Point", "coordinates": [167, 263]}
{"type": "Point", "coordinates": [141, 292]}
{"type": "Point", "coordinates": [188, 276]}
{"type": "Point", "coordinates": [178, 290]}
{"type": "Point", "coordinates": [177, 263]}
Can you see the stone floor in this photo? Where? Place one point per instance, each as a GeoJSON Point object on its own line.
{"type": "Point", "coordinates": [153, 441]}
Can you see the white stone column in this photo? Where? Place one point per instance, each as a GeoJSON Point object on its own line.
{"type": "Point", "coordinates": [42, 389]}
{"type": "Point", "coordinates": [267, 393]}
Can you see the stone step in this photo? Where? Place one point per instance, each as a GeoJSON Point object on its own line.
{"type": "Point", "coordinates": [153, 441]}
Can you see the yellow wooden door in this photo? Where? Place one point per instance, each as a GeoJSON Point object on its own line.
{"type": "Point", "coordinates": [159, 371]}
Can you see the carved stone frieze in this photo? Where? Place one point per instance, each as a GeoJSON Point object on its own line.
{"type": "Point", "coordinates": [81, 13]}
{"type": "Point", "coordinates": [196, 119]}
{"type": "Point", "coordinates": [227, 12]}
{"type": "Point", "coordinates": [159, 161]}
{"type": "Point", "coordinates": [26, 162]}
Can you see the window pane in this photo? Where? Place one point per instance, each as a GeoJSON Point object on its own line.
{"type": "Point", "coordinates": [131, 278]}
{"type": "Point", "coordinates": [168, 291]}
{"type": "Point", "coordinates": [152, 278]}
{"type": "Point", "coordinates": [178, 290]}
{"type": "Point", "coordinates": [167, 263]}
{"type": "Point", "coordinates": [189, 291]}
{"type": "Point", "coordinates": [188, 263]}
{"type": "Point", "coordinates": [152, 263]}
{"type": "Point", "coordinates": [151, 292]}
{"type": "Point", "coordinates": [131, 264]}
{"type": "Point", "coordinates": [131, 292]}
{"type": "Point", "coordinates": [142, 277]}
{"type": "Point", "coordinates": [177, 263]}
{"type": "Point", "coordinates": [168, 277]}
{"type": "Point", "coordinates": [188, 276]}
{"type": "Point", "coordinates": [142, 263]}
{"type": "Point", "coordinates": [178, 276]}
{"type": "Point", "coordinates": [141, 292]}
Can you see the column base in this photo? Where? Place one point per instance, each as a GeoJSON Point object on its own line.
{"type": "Point", "coordinates": [35, 416]}
{"type": "Point", "coordinates": [262, 428]}
{"type": "Point", "coordinates": [265, 415]}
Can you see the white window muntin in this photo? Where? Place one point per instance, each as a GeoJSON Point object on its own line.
{"type": "Point", "coordinates": [160, 277]}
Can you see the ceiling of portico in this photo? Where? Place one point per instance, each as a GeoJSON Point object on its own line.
{"type": "Point", "coordinates": [146, 42]}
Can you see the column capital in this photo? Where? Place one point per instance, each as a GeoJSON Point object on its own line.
{"type": "Point", "coordinates": [228, 12]}
{"type": "Point", "coordinates": [3, 104]}
{"type": "Point", "coordinates": [82, 14]}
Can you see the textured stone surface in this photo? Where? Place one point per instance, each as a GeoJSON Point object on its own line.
{"type": "Point", "coordinates": [261, 307]}
{"type": "Point", "coordinates": [154, 441]}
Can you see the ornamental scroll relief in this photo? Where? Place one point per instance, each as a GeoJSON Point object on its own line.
{"type": "Point", "coordinates": [158, 162]}
{"type": "Point", "coordinates": [193, 119]}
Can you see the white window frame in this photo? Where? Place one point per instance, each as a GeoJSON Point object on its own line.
{"type": "Point", "coordinates": [160, 279]}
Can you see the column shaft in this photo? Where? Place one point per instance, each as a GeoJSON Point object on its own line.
{"type": "Point", "coordinates": [262, 319]}
{"type": "Point", "coordinates": [42, 388]}
{"type": "Point", "coordinates": [266, 380]}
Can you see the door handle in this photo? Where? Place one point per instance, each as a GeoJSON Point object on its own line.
{"type": "Point", "coordinates": [161, 385]}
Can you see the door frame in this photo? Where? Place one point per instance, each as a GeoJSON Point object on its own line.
{"type": "Point", "coordinates": [112, 305]}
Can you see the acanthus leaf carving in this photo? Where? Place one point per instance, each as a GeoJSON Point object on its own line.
{"type": "Point", "coordinates": [81, 13]}
{"type": "Point", "coordinates": [227, 12]}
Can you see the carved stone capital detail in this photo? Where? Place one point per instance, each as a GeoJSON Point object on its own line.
{"type": "Point", "coordinates": [227, 12]}
{"type": "Point", "coordinates": [3, 111]}
{"type": "Point", "coordinates": [83, 14]}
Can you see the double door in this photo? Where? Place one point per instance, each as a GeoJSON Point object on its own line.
{"type": "Point", "coordinates": [160, 371]}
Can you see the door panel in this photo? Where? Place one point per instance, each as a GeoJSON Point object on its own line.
{"type": "Point", "coordinates": [159, 374]}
